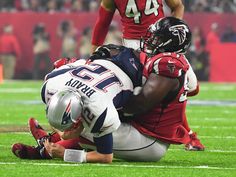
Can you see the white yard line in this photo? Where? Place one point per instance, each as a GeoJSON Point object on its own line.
{"type": "Point", "coordinates": [19, 90]}
{"type": "Point", "coordinates": [207, 150]}
{"type": "Point", "coordinates": [20, 133]}
{"type": "Point", "coordinates": [217, 137]}
{"type": "Point", "coordinates": [212, 102]}
{"type": "Point", "coordinates": [225, 87]}
{"type": "Point", "coordinates": [113, 165]}
{"type": "Point", "coordinates": [230, 111]}
{"type": "Point", "coordinates": [24, 102]}
{"type": "Point", "coordinates": [215, 119]}
{"type": "Point", "coordinates": [214, 127]}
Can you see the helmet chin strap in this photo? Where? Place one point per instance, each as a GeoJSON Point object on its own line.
{"type": "Point", "coordinates": [167, 42]}
{"type": "Point", "coordinates": [179, 51]}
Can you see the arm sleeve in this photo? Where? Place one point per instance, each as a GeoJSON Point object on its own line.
{"type": "Point", "coordinates": [101, 26]}
{"type": "Point", "coordinates": [104, 144]}
{"type": "Point", "coordinates": [105, 122]}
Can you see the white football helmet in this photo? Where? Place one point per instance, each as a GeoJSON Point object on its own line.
{"type": "Point", "coordinates": [64, 109]}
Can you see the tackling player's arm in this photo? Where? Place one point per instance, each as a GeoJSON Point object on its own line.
{"type": "Point", "coordinates": [152, 93]}
{"type": "Point", "coordinates": [106, 12]}
{"type": "Point", "coordinates": [177, 8]}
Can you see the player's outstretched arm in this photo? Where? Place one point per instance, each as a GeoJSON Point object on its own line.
{"type": "Point", "coordinates": [152, 93]}
{"type": "Point", "coordinates": [177, 8]}
{"type": "Point", "coordinates": [100, 30]}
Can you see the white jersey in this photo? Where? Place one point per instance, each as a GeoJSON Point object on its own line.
{"type": "Point", "coordinates": [131, 43]}
{"type": "Point", "coordinates": [103, 86]}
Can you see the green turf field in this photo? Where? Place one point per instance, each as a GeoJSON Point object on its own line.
{"type": "Point", "coordinates": [212, 114]}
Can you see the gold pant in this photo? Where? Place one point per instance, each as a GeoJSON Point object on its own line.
{"type": "Point", "coordinates": [8, 62]}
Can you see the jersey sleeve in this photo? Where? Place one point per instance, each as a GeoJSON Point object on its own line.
{"type": "Point", "coordinates": [100, 119]}
{"type": "Point", "coordinates": [130, 64]}
{"type": "Point", "coordinates": [169, 67]}
{"type": "Point", "coordinates": [104, 143]}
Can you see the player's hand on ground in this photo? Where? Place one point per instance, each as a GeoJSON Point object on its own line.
{"type": "Point", "coordinates": [54, 150]}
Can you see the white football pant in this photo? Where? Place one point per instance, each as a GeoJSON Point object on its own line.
{"type": "Point", "coordinates": [129, 144]}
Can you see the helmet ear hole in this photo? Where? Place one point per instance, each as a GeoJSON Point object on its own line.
{"type": "Point", "coordinates": [168, 34]}
{"type": "Point", "coordinates": [63, 109]}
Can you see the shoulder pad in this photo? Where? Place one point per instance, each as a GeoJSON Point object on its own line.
{"type": "Point", "coordinates": [169, 65]}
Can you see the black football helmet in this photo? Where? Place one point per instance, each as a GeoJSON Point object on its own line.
{"type": "Point", "coordinates": [169, 34]}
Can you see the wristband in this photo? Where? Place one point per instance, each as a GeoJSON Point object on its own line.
{"type": "Point", "coordinates": [72, 155]}
{"type": "Point", "coordinates": [137, 90]}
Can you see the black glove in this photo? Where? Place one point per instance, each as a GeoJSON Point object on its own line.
{"type": "Point", "coordinates": [101, 53]}
{"type": "Point", "coordinates": [104, 52]}
{"type": "Point", "coordinates": [125, 117]}
{"type": "Point", "coordinates": [116, 47]}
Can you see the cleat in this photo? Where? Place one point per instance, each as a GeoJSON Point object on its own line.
{"type": "Point", "coordinates": [23, 151]}
{"type": "Point", "coordinates": [37, 131]}
{"type": "Point", "coordinates": [194, 144]}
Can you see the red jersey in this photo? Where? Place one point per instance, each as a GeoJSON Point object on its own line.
{"type": "Point", "coordinates": [9, 45]}
{"type": "Point", "coordinates": [165, 121]}
{"type": "Point", "coordinates": [138, 15]}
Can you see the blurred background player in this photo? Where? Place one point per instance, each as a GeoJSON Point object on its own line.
{"type": "Point", "coordinates": [68, 34]}
{"type": "Point", "coordinates": [84, 43]}
{"type": "Point", "coordinates": [41, 50]}
{"type": "Point", "coordinates": [10, 51]}
{"type": "Point", "coordinates": [136, 17]}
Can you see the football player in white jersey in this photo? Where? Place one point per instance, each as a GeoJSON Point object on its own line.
{"type": "Point", "coordinates": [88, 96]}
{"type": "Point", "coordinates": [75, 105]}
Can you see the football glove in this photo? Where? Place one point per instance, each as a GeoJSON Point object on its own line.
{"type": "Point", "coordinates": [100, 53]}
{"type": "Point", "coordinates": [105, 51]}
{"type": "Point", "coordinates": [63, 61]}
{"type": "Point", "coordinates": [115, 47]}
